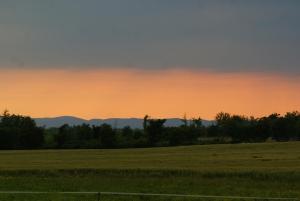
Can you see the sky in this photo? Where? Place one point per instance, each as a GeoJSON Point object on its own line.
{"type": "Point", "coordinates": [165, 58]}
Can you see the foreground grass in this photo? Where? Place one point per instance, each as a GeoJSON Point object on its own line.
{"type": "Point", "coordinates": [242, 184]}
{"type": "Point", "coordinates": [267, 170]}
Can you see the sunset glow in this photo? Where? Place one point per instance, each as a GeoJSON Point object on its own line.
{"type": "Point", "coordinates": [97, 93]}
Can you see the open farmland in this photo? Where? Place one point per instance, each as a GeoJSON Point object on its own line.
{"type": "Point", "coordinates": [264, 169]}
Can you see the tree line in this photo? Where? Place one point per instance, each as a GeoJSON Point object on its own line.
{"type": "Point", "coordinates": [21, 132]}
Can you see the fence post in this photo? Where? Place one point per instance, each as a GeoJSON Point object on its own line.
{"type": "Point", "coordinates": [98, 196]}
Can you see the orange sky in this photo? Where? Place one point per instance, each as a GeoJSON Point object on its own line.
{"type": "Point", "coordinates": [134, 93]}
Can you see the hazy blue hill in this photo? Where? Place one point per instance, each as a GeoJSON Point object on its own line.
{"type": "Point", "coordinates": [59, 121]}
{"type": "Point", "coordinates": [114, 122]}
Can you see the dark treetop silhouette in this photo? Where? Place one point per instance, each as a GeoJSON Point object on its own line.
{"type": "Point", "coordinates": [21, 132]}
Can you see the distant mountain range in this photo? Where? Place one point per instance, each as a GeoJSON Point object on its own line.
{"type": "Point", "coordinates": [114, 122]}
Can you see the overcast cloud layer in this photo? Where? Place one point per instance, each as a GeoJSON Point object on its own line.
{"type": "Point", "coordinates": [241, 35]}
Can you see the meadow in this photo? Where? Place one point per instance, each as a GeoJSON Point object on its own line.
{"type": "Point", "coordinates": [261, 169]}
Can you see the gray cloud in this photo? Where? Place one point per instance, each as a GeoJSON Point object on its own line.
{"type": "Point", "coordinates": [218, 35]}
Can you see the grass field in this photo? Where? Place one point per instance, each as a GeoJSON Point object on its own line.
{"type": "Point", "coordinates": [265, 170]}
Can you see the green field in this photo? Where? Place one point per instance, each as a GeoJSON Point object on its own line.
{"type": "Point", "coordinates": [264, 170]}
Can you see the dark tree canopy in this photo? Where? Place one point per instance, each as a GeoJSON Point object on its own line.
{"type": "Point", "coordinates": [21, 132]}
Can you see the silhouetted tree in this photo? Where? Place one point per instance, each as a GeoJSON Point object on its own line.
{"type": "Point", "coordinates": [107, 136]}
{"type": "Point", "coordinates": [20, 129]}
{"type": "Point", "coordinates": [154, 130]}
{"type": "Point", "coordinates": [62, 135]}
{"type": "Point", "coordinates": [145, 122]}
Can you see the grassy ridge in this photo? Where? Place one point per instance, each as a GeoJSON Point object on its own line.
{"type": "Point", "coordinates": [266, 169]}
